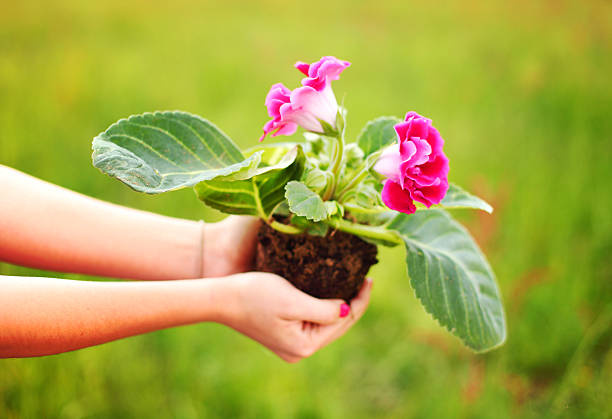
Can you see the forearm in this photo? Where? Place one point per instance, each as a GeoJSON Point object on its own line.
{"type": "Point", "coordinates": [48, 227]}
{"type": "Point", "coordinates": [43, 316]}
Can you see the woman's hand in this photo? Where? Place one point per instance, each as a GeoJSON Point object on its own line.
{"type": "Point", "coordinates": [292, 324]}
{"type": "Point", "coordinates": [229, 246]}
{"type": "Point", "coordinates": [65, 231]}
{"type": "Point", "coordinates": [41, 316]}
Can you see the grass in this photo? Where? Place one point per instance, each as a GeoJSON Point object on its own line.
{"type": "Point", "coordinates": [520, 91]}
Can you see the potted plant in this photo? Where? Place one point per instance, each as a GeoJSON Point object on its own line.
{"type": "Point", "coordinates": [326, 203]}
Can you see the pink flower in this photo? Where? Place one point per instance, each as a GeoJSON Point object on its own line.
{"type": "Point", "coordinates": [416, 168]}
{"type": "Point", "coordinates": [321, 73]}
{"type": "Point", "coordinates": [308, 105]}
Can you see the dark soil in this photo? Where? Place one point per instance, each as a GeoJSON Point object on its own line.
{"type": "Point", "coordinates": [325, 267]}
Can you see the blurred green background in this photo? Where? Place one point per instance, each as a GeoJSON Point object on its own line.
{"type": "Point", "coordinates": [521, 92]}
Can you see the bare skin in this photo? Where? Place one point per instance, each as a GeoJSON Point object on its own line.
{"type": "Point", "coordinates": [48, 227]}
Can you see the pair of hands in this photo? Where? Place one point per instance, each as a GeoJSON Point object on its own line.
{"type": "Point", "coordinates": [266, 307]}
{"type": "Point", "coordinates": [67, 232]}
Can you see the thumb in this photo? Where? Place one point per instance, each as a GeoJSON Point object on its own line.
{"type": "Point", "coordinates": [317, 310]}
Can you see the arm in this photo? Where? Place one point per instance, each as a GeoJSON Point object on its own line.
{"type": "Point", "coordinates": [44, 226]}
{"type": "Point", "coordinates": [48, 227]}
{"type": "Point", "coordinates": [43, 316]}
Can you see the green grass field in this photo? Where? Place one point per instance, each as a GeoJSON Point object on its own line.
{"type": "Point", "coordinates": [521, 92]}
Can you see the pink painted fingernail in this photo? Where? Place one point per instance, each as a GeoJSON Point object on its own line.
{"type": "Point", "coordinates": [344, 310]}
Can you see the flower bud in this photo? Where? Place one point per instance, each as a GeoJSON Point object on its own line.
{"type": "Point", "coordinates": [318, 180]}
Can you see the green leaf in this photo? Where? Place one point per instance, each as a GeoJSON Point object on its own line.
{"type": "Point", "coordinates": [163, 151]}
{"type": "Point", "coordinates": [258, 195]}
{"type": "Point", "coordinates": [456, 197]}
{"type": "Point", "coordinates": [247, 172]}
{"type": "Point", "coordinates": [316, 229]}
{"type": "Point", "coordinates": [304, 202]}
{"type": "Point", "coordinates": [272, 153]}
{"type": "Point", "coordinates": [318, 180]}
{"type": "Point", "coordinates": [377, 134]}
{"type": "Point", "coordinates": [452, 278]}
{"type": "Point", "coordinates": [328, 130]}
{"type": "Point", "coordinates": [334, 208]}
{"type": "Point", "coordinates": [282, 209]}
{"type": "Point", "coordinates": [366, 195]}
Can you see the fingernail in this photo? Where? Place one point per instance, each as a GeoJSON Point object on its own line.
{"type": "Point", "coordinates": [344, 310]}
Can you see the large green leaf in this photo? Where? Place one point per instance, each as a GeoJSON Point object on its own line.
{"type": "Point", "coordinates": [163, 151]}
{"type": "Point", "coordinates": [452, 278]}
{"type": "Point", "coordinates": [456, 197]}
{"type": "Point", "coordinates": [306, 203]}
{"type": "Point", "coordinates": [272, 153]}
{"type": "Point", "coordinates": [257, 195]}
{"type": "Point", "coordinates": [377, 134]}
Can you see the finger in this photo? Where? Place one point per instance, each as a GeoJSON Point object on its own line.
{"type": "Point", "coordinates": [286, 356]}
{"type": "Point", "coordinates": [328, 333]}
{"type": "Point", "coordinates": [316, 310]}
{"type": "Point", "coordinates": [355, 310]}
{"type": "Point", "coordinates": [290, 357]}
{"type": "Point", "coordinates": [360, 303]}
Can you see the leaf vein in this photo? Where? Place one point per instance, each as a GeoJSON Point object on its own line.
{"type": "Point", "coordinates": [138, 140]}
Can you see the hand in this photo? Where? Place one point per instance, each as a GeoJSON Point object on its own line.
{"type": "Point", "coordinates": [292, 324]}
{"type": "Point", "coordinates": [229, 246]}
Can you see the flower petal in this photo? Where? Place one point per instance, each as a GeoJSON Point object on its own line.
{"type": "Point", "coordinates": [435, 141]}
{"type": "Point", "coordinates": [275, 128]}
{"type": "Point", "coordinates": [421, 153]}
{"type": "Point", "coordinates": [431, 195]}
{"type": "Point", "coordinates": [388, 163]}
{"type": "Point", "coordinates": [423, 166]}
{"type": "Point", "coordinates": [276, 97]}
{"type": "Point", "coordinates": [397, 198]}
{"type": "Point", "coordinates": [303, 67]}
{"type": "Point", "coordinates": [322, 72]}
{"type": "Point", "coordinates": [436, 168]}
{"type": "Point", "coordinates": [287, 128]}
{"type": "Point", "coordinates": [295, 113]}
{"type": "Point", "coordinates": [407, 149]}
{"type": "Point", "coordinates": [311, 101]}
{"type": "Point", "coordinates": [402, 130]}
{"type": "Point", "coordinates": [419, 127]}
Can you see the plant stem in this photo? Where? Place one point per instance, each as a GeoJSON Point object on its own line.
{"type": "Point", "coordinates": [336, 163]}
{"type": "Point", "coordinates": [329, 189]}
{"type": "Point", "coordinates": [338, 155]}
{"type": "Point", "coordinates": [356, 209]}
{"type": "Point", "coordinates": [377, 233]}
{"type": "Point", "coordinates": [360, 173]}
{"type": "Point", "coordinates": [258, 204]}
{"type": "Point", "coordinates": [284, 228]}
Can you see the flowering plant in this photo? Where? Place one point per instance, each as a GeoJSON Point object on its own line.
{"type": "Point", "coordinates": [390, 187]}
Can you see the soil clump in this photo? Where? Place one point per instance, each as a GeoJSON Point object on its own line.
{"type": "Point", "coordinates": [333, 266]}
